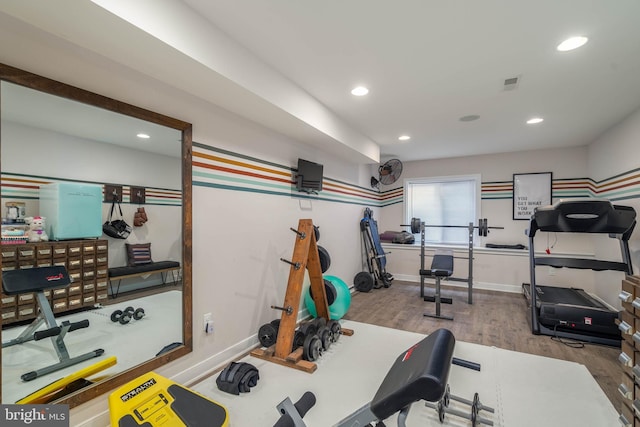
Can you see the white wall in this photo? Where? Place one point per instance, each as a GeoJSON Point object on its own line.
{"type": "Point", "coordinates": [495, 270]}
{"type": "Point", "coordinates": [617, 151]}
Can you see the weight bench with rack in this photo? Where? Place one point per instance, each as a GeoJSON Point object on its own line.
{"type": "Point", "coordinates": [39, 280]}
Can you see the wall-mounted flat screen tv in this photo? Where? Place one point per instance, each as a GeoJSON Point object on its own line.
{"type": "Point", "coordinates": [309, 177]}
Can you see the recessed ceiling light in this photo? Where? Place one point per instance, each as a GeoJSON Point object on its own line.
{"type": "Point", "coordinates": [469, 118]}
{"type": "Point", "coordinates": [359, 91]}
{"type": "Point", "coordinates": [143, 136]}
{"type": "Point", "coordinates": [535, 120]}
{"type": "Point", "coordinates": [572, 43]}
{"type": "Point", "coordinates": [404, 138]}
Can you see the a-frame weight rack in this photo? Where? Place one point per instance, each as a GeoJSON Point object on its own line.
{"type": "Point", "coordinates": [305, 257]}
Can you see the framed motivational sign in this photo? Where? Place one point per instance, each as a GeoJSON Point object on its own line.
{"type": "Point", "coordinates": [530, 190]}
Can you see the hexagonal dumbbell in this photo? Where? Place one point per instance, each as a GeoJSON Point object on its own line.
{"type": "Point", "coordinates": [125, 316]}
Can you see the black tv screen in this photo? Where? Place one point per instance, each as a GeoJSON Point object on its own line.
{"type": "Point", "coordinates": [309, 178]}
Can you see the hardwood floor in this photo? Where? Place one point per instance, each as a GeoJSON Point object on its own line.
{"type": "Point", "coordinates": [495, 319]}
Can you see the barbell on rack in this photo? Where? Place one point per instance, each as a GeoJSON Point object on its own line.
{"type": "Point", "coordinates": [483, 227]}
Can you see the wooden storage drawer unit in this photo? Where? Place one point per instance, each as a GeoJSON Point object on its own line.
{"type": "Point", "coordinates": [26, 252]}
{"type": "Point", "coordinates": [629, 357]}
{"type": "Point", "coordinates": [8, 300]}
{"type": "Point", "coordinates": [59, 250]}
{"type": "Point", "coordinates": [626, 415]}
{"type": "Point", "coordinates": [43, 252]}
{"type": "Point", "coordinates": [9, 254]}
{"type": "Point", "coordinates": [9, 265]}
{"type": "Point", "coordinates": [9, 314]}
{"type": "Point", "coordinates": [27, 311]}
{"type": "Point", "coordinates": [74, 249]}
{"type": "Point", "coordinates": [86, 262]}
{"type": "Point", "coordinates": [626, 388]}
{"type": "Point", "coordinates": [59, 305]}
{"type": "Point", "coordinates": [75, 302]}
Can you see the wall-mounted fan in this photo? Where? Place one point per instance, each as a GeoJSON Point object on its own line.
{"type": "Point", "coordinates": [388, 173]}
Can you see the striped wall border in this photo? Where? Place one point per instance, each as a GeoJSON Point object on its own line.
{"type": "Point", "coordinates": [624, 186]}
{"type": "Point", "coordinates": [218, 168]}
{"type": "Point", "coordinates": [222, 169]}
{"type": "Point", "coordinates": [27, 187]}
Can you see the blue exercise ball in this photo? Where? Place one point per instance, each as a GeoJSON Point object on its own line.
{"type": "Point", "coordinates": [338, 298]}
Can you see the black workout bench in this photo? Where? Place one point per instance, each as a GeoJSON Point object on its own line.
{"type": "Point", "coordinates": [162, 267]}
{"type": "Point", "coordinates": [441, 266]}
{"type": "Point", "coordinates": [39, 280]}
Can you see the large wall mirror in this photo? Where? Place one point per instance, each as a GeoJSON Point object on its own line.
{"type": "Point", "coordinates": [55, 133]}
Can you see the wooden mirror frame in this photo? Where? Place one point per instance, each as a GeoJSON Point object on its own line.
{"type": "Point", "coordinates": [43, 84]}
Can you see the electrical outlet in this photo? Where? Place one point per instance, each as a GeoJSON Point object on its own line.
{"type": "Point", "coordinates": [208, 323]}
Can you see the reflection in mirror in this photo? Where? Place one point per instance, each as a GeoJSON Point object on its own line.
{"type": "Point", "coordinates": [127, 298]}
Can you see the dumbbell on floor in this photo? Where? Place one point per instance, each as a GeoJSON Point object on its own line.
{"type": "Point", "coordinates": [129, 313]}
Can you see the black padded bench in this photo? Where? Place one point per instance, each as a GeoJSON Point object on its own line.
{"type": "Point", "coordinates": [162, 267]}
{"type": "Point", "coordinates": [441, 266]}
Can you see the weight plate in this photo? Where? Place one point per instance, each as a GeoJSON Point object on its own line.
{"type": "Point", "coordinates": [325, 259]}
{"type": "Point", "coordinates": [312, 348]}
{"type": "Point", "coordinates": [298, 339]}
{"type": "Point", "coordinates": [308, 328]}
{"type": "Point", "coordinates": [131, 309]}
{"type": "Point", "coordinates": [363, 281]}
{"type": "Point", "coordinates": [267, 334]}
{"type": "Point", "coordinates": [316, 231]}
{"type": "Point", "coordinates": [324, 334]}
{"type": "Point", "coordinates": [138, 314]}
{"type": "Point", "coordinates": [335, 329]}
{"type": "Point", "coordinates": [329, 290]}
{"type": "Point", "coordinates": [415, 225]}
{"type": "Point", "coordinates": [276, 324]}
{"type": "Point", "coordinates": [320, 322]}
{"type": "Point", "coordinates": [115, 316]}
{"type": "Point", "coordinates": [125, 318]}
{"type": "Point", "coordinates": [440, 411]}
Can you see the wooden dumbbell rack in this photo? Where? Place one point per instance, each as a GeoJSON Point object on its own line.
{"type": "Point", "coordinates": [305, 257]}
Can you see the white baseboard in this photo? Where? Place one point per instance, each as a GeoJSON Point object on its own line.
{"type": "Point", "coordinates": [516, 289]}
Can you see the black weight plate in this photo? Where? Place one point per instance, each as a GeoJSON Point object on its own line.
{"type": "Point", "coordinates": [320, 322]}
{"type": "Point", "coordinates": [276, 324]}
{"type": "Point", "coordinates": [325, 259]}
{"type": "Point", "coordinates": [267, 334]}
{"type": "Point", "coordinates": [324, 334]}
{"type": "Point", "coordinates": [329, 290]}
{"type": "Point", "coordinates": [138, 314]}
{"type": "Point", "coordinates": [335, 329]}
{"type": "Point", "coordinates": [316, 231]}
{"type": "Point", "coordinates": [115, 316]}
{"type": "Point", "coordinates": [125, 318]}
{"type": "Point", "coordinates": [298, 339]}
{"type": "Point", "coordinates": [311, 348]}
{"type": "Point", "coordinates": [308, 328]}
{"type": "Point", "coordinates": [363, 281]}
{"type": "Point", "coordinates": [131, 309]}
{"type": "Point", "coordinates": [415, 225]}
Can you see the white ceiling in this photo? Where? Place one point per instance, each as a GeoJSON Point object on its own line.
{"type": "Point", "coordinates": [290, 64]}
{"type": "Point", "coordinates": [428, 63]}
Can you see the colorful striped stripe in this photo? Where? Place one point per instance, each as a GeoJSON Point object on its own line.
{"type": "Point", "coordinates": [20, 186]}
{"type": "Point", "coordinates": [223, 169]}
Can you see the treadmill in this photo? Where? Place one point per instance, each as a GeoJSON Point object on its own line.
{"type": "Point", "coordinates": [570, 312]}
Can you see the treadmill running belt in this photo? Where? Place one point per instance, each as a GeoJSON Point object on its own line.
{"type": "Point", "coordinates": [572, 296]}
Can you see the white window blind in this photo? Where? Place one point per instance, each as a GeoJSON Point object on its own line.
{"type": "Point", "coordinates": [451, 200]}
